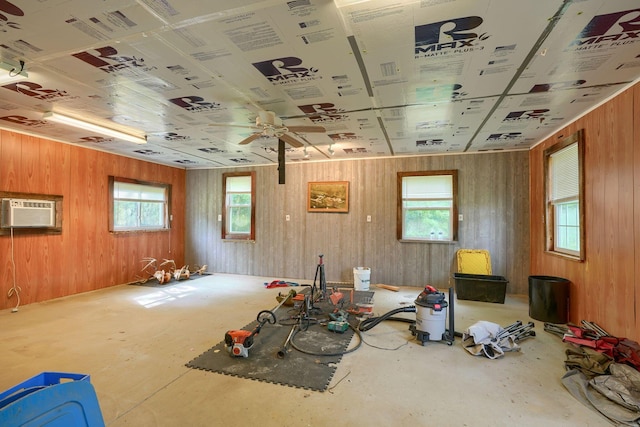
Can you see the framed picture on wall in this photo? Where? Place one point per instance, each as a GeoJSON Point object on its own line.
{"type": "Point", "coordinates": [328, 196]}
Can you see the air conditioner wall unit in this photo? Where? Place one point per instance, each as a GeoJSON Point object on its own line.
{"type": "Point", "coordinates": [27, 213]}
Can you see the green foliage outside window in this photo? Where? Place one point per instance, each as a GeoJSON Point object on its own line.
{"type": "Point", "coordinates": [427, 219]}
{"type": "Point", "coordinates": [138, 205]}
{"type": "Point", "coordinates": [568, 226]}
{"type": "Point", "coordinates": [238, 206]}
{"type": "Point", "coordinates": [240, 221]}
{"type": "Point", "coordinates": [427, 224]}
{"type": "Point", "coordinates": [151, 214]}
{"type": "Point", "coordinates": [427, 206]}
{"type": "Point", "coordinates": [239, 213]}
{"type": "Point", "coordinates": [131, 214]}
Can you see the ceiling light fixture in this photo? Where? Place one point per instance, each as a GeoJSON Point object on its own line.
{"type": "Point", "coordinates": [331, 150]}
{"type": "Point", "coordinates": [306, 153]}
{"type": "Point", "coordinates": [344, 3]}
{"type": "Point", "coordinates": [70, 121]}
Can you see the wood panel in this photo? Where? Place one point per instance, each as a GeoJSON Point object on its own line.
{"type": "Point", "coordinates": [635, 324]}
{"type": "Point", "coordinates": [603, 287]}
{"type": "Point", "coordinates": [85, 256]}
{"type": "Point", "coordinates": [494, 200]}
{"type": "Point", "coordinates": [10, 154]}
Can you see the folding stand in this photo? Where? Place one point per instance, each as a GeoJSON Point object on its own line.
{"type": "Point", "coordinates": [319, 277]}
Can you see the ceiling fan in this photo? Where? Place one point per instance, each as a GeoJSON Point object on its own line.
{"type": "Point", "coordinates": [269, 125]}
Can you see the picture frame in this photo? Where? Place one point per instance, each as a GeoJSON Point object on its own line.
{"type": "Point", "coordinates": [328, 196]}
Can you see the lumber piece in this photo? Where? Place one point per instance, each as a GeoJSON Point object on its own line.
{"type": "Point", "coordinates": [388, 287]}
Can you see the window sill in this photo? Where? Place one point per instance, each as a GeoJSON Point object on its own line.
{"type": "Point", "coordinates": [146, 230]}
{"type": "Point", "coordinates": [568, 257]}
{"type": "Point", "coordinates": [238, 241]}
{"type": "Point", "coordinates": [439, 242]}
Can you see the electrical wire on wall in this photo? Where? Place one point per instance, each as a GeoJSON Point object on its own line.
{"type": "Point", "coordinates": [15, 72]}
{"type": "Point", "coordinates": [15, 289]}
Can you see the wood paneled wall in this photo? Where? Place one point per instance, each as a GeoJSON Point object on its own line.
{"type": "Point", "coordinates": [85, 256]}
{"type": "Point", "coordinates": [604, 287]}
{"type": "Point", "coordinates": [494, 200]}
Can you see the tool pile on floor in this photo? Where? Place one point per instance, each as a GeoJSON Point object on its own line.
{"type": "Point", "coordinates": [602, 371]}
{"type": "Point", "coordinates": [320, 323]}
{"type": "Point", "coordinates": [306, 309]}
{"type": "Point", "coordinates": [315, 322]}
{"type": "Point", "coordinates": [302, 348]}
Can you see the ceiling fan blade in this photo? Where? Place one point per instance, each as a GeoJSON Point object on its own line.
{"type": "Point", "coordinates": [306, 129]}
{"type": "Point", "coordinates": [250, 138]}
{"type": "Point", "coordinates": [291, 140]}
{"type": "Point", "coordinates": [227, 125]}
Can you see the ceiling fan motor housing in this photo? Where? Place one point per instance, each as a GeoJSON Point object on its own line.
{"type": "Point", "coordinates": [271, 124]}
{"type": "Point", "coordinates": [268, 118]}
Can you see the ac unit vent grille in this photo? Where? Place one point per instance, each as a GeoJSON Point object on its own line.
{"type": "Point", "coordinates": [18, 213]}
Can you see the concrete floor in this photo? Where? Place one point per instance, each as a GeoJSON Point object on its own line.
{"type": "Point", "coordinates": [134, 341]}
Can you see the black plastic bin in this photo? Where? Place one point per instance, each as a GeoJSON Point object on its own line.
{"type": "Point", "coordinates": [549, 299]}
{"type": "Point", "coordinates": [480, 287]}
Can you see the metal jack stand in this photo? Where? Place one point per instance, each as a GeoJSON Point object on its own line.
{"type": "Point", "coordinates": [320, 278]}
{"type": "Point", "coordinates": [303, 320]}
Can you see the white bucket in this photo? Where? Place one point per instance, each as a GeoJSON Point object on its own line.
{"type": "Point", "coordinates": [361, 278]}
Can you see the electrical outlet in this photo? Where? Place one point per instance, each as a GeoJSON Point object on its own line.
{"type": "Point", "coordinates": [368, 218]}
{"type": "Point", "coordinates": [219, 217]}
{"type": "Point", "coordinates": [460, 217]}
{"type": "Point", "coordinates": [287, 217]}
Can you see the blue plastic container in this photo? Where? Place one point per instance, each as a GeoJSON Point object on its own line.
{"type": "Point", "coordinates": [51, 399]}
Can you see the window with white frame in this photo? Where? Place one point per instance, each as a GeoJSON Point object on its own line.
{"type": "Point", "coordinates": [239, 206]}
{"type": "Point", "coordinates": [138, 206]}
{"type": "Point", "coordinates": [427, 206]}
{"type": "Point", "coordinates": [564, 195]}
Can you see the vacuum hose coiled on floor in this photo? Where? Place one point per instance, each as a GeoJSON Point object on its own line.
{"type": "Point", "coordinates": [370, 323]}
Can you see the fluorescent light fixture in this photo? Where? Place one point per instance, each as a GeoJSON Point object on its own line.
{"type": "Point", "coordinates": [343, 3]}
{"type": "Point", "coordinates": [70, 121]}
{"type": "Point", "coordinates": [331, 150]}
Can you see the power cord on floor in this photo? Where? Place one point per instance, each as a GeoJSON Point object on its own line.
{"type": "Point", "coordinates": [330, 389]}
{"type": "Point", "coordinates": [383, 348]}
{"type": "Point", "coordinates": [15, 289]}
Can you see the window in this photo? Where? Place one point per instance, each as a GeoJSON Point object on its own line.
{"type": "Point", "coordinates": [137, 205]}
{"type": "Point", "coordinates": [564, 197]}
{"type": "Point", "coordinates": [427, 206]}
{"type": "Point", "coordinates": [239, 207]}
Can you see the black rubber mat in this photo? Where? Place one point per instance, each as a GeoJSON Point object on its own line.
{"type": "Point", "coordinates": [297, 368]}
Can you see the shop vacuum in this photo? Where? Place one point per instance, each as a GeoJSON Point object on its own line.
{"type": "Point", "coordinates": [431, 317]}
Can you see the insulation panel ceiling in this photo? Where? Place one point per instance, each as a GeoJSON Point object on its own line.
{"type": "Point", "coordinates": [384, 79]}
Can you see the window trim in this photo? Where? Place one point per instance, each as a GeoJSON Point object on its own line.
{"type": "Point", "coordinates": [454, 207]}
{"type": "Point", "coordinates": [167, 205]}
{"type": "Point", "coordinates": [238, 237]}
{"type": "Point", "coordinates": [549, 206]}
